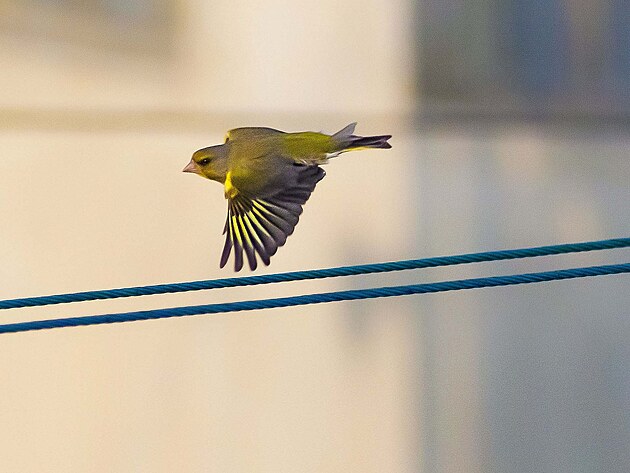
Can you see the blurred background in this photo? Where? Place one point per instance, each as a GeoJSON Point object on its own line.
{"type": "Point", "coordinates": [511, 129]}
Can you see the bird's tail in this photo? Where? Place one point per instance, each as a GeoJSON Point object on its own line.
{"type": "Point", "coordinates": [349, 141]}
{"type": "Point", "coordinates": [370, 142]}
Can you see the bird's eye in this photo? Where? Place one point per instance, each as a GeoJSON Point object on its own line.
{"type": "Point", "coordinates": [204, 161]}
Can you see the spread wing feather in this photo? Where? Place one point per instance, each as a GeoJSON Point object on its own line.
{"type": "Point", "coordinates": [259, 226]}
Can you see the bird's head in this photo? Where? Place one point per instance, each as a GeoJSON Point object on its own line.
{"type": "Point", "coordinates": [210, 163]}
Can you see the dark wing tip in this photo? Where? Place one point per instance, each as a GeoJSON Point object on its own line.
{"type": "Point", "coordinates": [226, 251]}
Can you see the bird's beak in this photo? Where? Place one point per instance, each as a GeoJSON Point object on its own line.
{"type": "Point", "coordinates": [192, 167]}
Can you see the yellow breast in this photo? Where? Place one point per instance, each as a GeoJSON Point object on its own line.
{"type": "Point", "coordinates": [230, 190]}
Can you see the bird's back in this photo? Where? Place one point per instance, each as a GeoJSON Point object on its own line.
{"type": "Point", "coordinates": [251, 132]}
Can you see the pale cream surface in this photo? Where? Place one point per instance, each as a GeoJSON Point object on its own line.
{"type": "Point", "coordinates": [92, 196]}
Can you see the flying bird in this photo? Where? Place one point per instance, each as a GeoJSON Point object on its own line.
{"type": "Point", "coordinates": [268, 175]}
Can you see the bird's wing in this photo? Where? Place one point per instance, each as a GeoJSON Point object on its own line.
{"type": "Point", "coordinates": [262, 225]}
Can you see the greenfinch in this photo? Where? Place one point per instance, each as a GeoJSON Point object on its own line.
{"type": "Point", "coordinates": [268, 175]}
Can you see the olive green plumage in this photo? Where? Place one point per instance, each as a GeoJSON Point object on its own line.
{"type": "Point", "coordinates": [268, 175]}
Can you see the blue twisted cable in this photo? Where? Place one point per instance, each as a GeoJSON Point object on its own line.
{"type": "Point", "coordinates": [495, 281]}
{"type": "Point", "coordinates": [317, 273]}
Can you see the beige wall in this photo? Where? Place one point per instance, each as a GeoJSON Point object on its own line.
{"type": "Point", "coordinates": [231, 56]}
{"type": "Point", "coordinates": [96, 123]}
{"type": "Point", "coordinates": [93, 139]}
